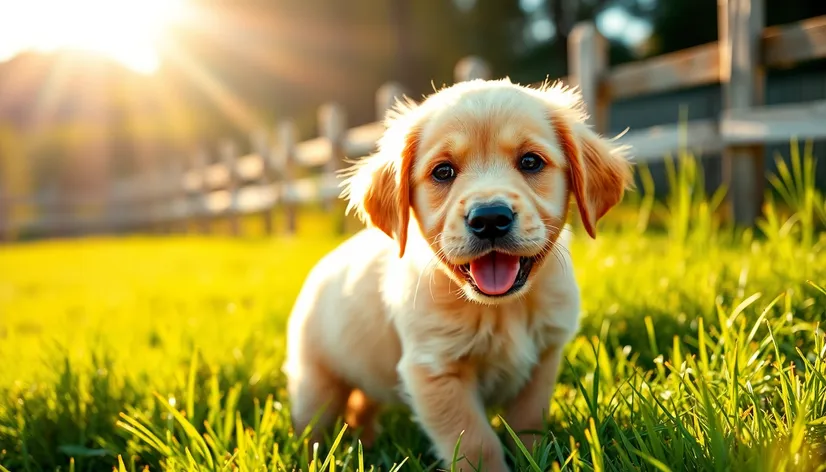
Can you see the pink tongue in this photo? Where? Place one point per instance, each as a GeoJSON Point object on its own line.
{"type": "Point", "coordinates": [495, 273]}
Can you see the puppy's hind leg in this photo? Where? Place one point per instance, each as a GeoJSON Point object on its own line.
{"type": "Point", "coordinates": [362, 412]}
{"type": "Point", "coordinates": [315, 392]}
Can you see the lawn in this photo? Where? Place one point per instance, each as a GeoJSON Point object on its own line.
{"type": "Point", "coordinates": [700, 349]}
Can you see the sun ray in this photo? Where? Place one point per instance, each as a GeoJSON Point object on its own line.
{"type": "Point", "coordinates": [239, 113]}
{"type": "Point", "coordinates": [126, 31]}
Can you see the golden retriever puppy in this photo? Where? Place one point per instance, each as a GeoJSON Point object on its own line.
{"type": "Point", "coordinates": [462, 295]}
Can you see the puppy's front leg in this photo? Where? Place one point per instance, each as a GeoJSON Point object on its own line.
{"type": "Point", "coordinates": [527, 411]}
{"type": "Point", "coordinates": [446, 404]}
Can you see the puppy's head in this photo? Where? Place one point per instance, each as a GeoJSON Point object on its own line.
{"type": "Point", "coordinates": [487, 168]}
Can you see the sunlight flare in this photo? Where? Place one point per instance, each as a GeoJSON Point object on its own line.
{"type": "Point", "coordinates": [126, 31]}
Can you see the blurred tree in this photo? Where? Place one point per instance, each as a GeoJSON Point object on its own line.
{"type": "Point", "coordinates": [439, 38]}
{"type": "Point", "coordinates": [401, 25]}
{"type": "Point", "coordinates": [787, 11]}
{"type": "Point", "coordinates": [545, 35]}
{"type": "Point", "coordinates": [680, 24]}
{"type": "Point", "coordinates": [495, 27]}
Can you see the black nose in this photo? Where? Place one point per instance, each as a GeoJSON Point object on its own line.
{"type": "Point", "coordinates": [490, 221]}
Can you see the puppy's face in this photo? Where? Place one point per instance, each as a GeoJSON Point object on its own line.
{"type": "Point", "coordinates": [489, 189]}
{"type": "Point", "coordinates": [488, 169]}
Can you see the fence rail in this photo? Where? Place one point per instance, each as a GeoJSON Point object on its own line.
{"type": "Point", "coordinates": [265, 177]}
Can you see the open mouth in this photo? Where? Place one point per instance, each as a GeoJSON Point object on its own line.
{"type": "Point", "coordinates": [498, 274]}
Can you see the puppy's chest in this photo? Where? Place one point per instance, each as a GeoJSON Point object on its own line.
{"type": "Point", "coordinates": [505, 352]}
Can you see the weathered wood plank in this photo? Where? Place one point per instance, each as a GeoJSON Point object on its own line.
{"type": "Point", "coordinates": [588, 62]}
{"type": "Point", "coordinates": [256, 198]}
{"type": "Point", "coordinates": [786, 45]}
{"type": "Point", "coordinates": [216, 176]}
{"type": "Point", "coordinates": [740, 23]}
{"type": "Point", "coordinates": [361, 140]}
{"type": "Point", "coordinates": [218, 202]}
{"type": "Point", "coordinates": [690, 67]}
{"type": "Point", "coordinates": [312, 152]}
{"type": "Point", "coordinates": [700, 65]}
{"type": "Point", "coordinates": [653, 144]}
{"type": "Point", "coordinates": [775, 123]}
{"type": "Point", "coordinates": [250, 167]}
{"type": "Point", "coordinates": [304, 190]}
{"type": "Point", "coordinates": [192, 181]}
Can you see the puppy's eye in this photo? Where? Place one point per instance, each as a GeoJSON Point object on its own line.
{"type": "Point", "coordinates": [531, 162]}
{"type": "Point", "coordinates": [443, 173]}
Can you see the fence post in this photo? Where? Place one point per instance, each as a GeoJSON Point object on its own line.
{"type": "Point", "coordinates": [386, 97]}
{"type": "Point", "coordinates": [108, 220]}
{"type": "Point", "coordinates": [740, 27]}
{"type": "Point", "coordinates": [196, 201]}
{"type": "Point", "coordinates": [283, 160]}
{"type": "Point", "coordinates": [261, 147]}
{"type": "Point", "coordinates": [151, 177]}
{"type": "Point", "coordinates": [162, 197]}
{"type": "Point", "coordinates": [177, 221]}
{"type": "Point", "coordinates": [229, 156]}
{"type": "Point", "coordinates": [5, 215]}
{"type": "Point", "coordinates": [588, 62]}
{"type": "Point", "coordinates": [333, 125]}
{"type": "Point", "coordinates": [470, 68]}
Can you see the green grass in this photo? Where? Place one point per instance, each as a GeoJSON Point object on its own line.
{"type": "Point", "coordinates": [700, 349]}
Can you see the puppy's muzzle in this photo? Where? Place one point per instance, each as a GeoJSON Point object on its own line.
{"type": "Point", "coordinates": [490, 221]}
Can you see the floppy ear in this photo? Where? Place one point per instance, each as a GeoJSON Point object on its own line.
{"type": "Point", "coordinates": [599, 171]}
{"type": "Point", "coordinates": [378, 186]}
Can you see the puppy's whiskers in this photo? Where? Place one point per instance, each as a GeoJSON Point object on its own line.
{"type": "Point", "coordinates": [431, 268]}
{"type": "Point", "coordinates": [433, 259]}
{"type": "Point", "coordinates": [426, 268]}
{"type": "Point", "coordinates": [447, 255]}
{"type": "Point", "coordinates": [556, 249]}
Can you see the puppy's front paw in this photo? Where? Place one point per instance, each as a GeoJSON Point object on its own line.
{"type": "Point", "coordinates": [530, 438]}
{"type": "Point", "coordinates": [490, 458]}
{"type": "Point", "coordinates": [448, 408]}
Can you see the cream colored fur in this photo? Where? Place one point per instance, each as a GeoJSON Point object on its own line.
{"type": "Point", "coordinates": [389, 316]}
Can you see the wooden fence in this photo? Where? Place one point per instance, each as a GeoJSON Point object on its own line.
{"type": "Point", "coordinates": [265, 177]}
